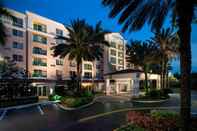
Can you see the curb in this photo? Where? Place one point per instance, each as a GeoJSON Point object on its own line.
{"type": "Point", "coordinates": [77, 108]}
{"type": "Point", "coordinates": [28, 105]}
{"type": "Point", "coordinates": [154, 101]}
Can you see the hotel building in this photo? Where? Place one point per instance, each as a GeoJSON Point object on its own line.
{"type": "Point", "coordinates": [29, 40]}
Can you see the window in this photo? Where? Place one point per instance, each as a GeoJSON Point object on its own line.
{"type": "Point", "coordinates": [87, 67]}
{"type": "Point", "coordinates": [18, 58]}
{"type": "Point", "coordinates": [59, 74]}
{"type": "Point", "coordinates": [120, 68]}
{"type": "Point", "coordinates": [113, 52]}
{"type": "Point", "coordinates": [39, 51]}
{"type": "Point", "coordinates": [120, 62]}
{"type": "Point", "coordinates": [98, 75]}
{"type": "Point", "coordinates": [120, 47]}
{"type": "Point", "coordinates": [39, 62]}
{"type": "Point", "coordinates": [87, 75]}
{"type": "Point", "coordinates": [120, 54]}
{"type": "Point", "coordinates": [18, 22]}
{"type": "Point", "coordinates": [72, 74]}
{"type": "Point", "coordinates": [113, 60]}
{"type": "Point", "coordinates": [98, 66]}
{"type": "Point", "coordinates": [39, 73]}
{"type": "Point", "coordinates": [40, 39]}
{"type": "Point", "coordinates": [60, 41]}
{"type": "Point", "coordinates": [40, 27]}
{"type": "Point", "coordinates": [17, 33]}
{"type": "Point", "coordinates": [72, 64]}
{"type": "Point", "coordinates": [113, 44]}
{"type": "Point", "coordinates": [59, 32]}
{"type": "Point", "coordinates": [17, 45]}
{"type": "Point", "coordinates": [59, 62]}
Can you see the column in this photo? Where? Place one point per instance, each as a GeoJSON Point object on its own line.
{"type": "Point", "coordinates": [108, 87]}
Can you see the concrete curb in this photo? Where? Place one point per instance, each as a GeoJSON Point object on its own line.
{"type": "Point", "coordinates": [28, 105]}
{"type": "Point", "coordinates": [77, 108]}
{"type": "Point", "coordinates": [148, 102]}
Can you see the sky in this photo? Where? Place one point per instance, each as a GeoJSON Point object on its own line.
{"type": "Point", "coordinates": [92, 11]}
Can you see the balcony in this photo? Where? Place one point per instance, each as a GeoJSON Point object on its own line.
{"type": "Point", "coordinates": [39, 75]}
{"type": "Point", "coordinates": [40, 28]}
{"type": "Point", "coordinates": [39, 51]}
{"type": "Point", "coordinates": [39, 63]}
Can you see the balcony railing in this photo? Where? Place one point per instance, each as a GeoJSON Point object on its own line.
{"type": "Point", "coordinates": [40, 75]}
{"type": "Point", "coordinates": [39, 63]}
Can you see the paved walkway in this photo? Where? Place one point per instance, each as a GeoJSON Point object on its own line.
{"type": "Point", "coordinates": [104, 115]}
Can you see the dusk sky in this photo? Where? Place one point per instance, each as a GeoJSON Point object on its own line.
{"type": "Point", "coordinates": [92, 11]}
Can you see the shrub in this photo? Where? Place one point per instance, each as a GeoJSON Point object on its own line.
{"type": "Point", "coordinates": [75, 101]}
{"type": "Point", "coordinates": [166, 91]}
{"type": "Point", "coordinates": [54, 97]}
{"type": "Point", "coordinates": [157, 122]}
{"type": "Point", "coordinates": [130, 127]}
{"type": "Point", "coordinates": [154, 94]}
{"type": "Point", "coordinates": [164, 114]}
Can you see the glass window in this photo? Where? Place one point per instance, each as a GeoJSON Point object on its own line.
{"type": "Point", "coordinates": [18, 22]}
{"type": "Point", "coordinates": [18, 58]}
{"type": "Point", "coordinates": [59, 62]}
{"type": "Point", "coordinates": [17, 33]}
{"type": "Point", "coordinates": [40, 39]}
{"type": "Point", "coordinates": [113, 60]}
{"type": "Point", "coordinates": [113, 44]}
{"type": "Point", "coordinates": [59, 74]}
{"type": "Point", "coordinates": [87, 75]}
{"type": "Point", "coordinates": [120, 47]}
{"type": "Point", "coordinates": [40, 27]}
{"type": "Point", "coordinates": [59, 32]}
{"type": "Point", "coordinates": [72, 73]}
{"type": "Point", "coordinates": [87, 67]}
{"type": "Point", "coordinates": [39, 62]}
{"type": "Point", "coordinates": [17, 45]}
{"type": "Point", "coordinates": [39, 73]}
{"type": "Point", "coordinates": [37, 50]}
{"type": "Point", "coordinates": [120, 54]}
{"type": "Point", "coordinates": [72, 64]}
{"type": "Point", "coordinates": [120, 62]}
{"type": "Point", "coordinates": [113, 52]}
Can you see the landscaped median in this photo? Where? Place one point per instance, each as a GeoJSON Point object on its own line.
{"type": "Point", "coordinates": [152, 97]}
{"type": "Point", "coordinates": [73, 102]}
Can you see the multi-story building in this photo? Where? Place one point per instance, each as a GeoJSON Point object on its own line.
{"type": "Point", "coordinates": [30, 38]}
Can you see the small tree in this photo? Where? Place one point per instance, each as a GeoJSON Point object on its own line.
{"type": "Point", "coordinates": [83, 42]}
{"type": "Point", "coordinates": [144, 55]}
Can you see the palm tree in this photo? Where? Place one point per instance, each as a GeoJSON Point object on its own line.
{"type": "Point", "coordinates": [3, 12]}
{"type": "Point", "coordinates": [135, 13]}
{"type": "Point", "coordinates": [142, 54]}
{"type": "Point", "coordinates": [168, 43]}
{"type": "Point", "coordinates": [83, 42]}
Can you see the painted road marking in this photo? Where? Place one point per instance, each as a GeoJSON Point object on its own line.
{"type": "Point", "coordinates": [123, 110]}
{"type": "Point", "coordinates": [40, 110]}
{"type": "Point", "coordinates": [3, 114]}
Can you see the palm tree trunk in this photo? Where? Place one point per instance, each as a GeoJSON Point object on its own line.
{"type": "Point", "coordinates": [162, 73]}
{"type": "Point", "coordinates": [78, 77]}
{"type": "Point", "coordinates": [185, 13]}
{"type": "Point", "coordinates": [146, 77]}
{"type": "Point", "coordinates": [165, 74]}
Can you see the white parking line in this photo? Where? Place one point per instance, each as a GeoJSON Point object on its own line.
{"type": "Point", "coordinates": [40, 110]}
{"type": "Point", "coordinates": [3, 114]}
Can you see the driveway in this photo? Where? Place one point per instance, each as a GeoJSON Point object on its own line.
{"type": "Point", "coordinates": [105, 114]}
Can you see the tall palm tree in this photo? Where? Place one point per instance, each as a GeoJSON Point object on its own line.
{"type": "Point", "coordinates": [83, 42]}
{"type": "Point", "coordinates": [135, 13]}
{"type": "Point", "coordinates": [3, 12]}
{"type": "Point", "coordinates": [168, 43]}
{"type": "Point", "coordinates": [142, 54]}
